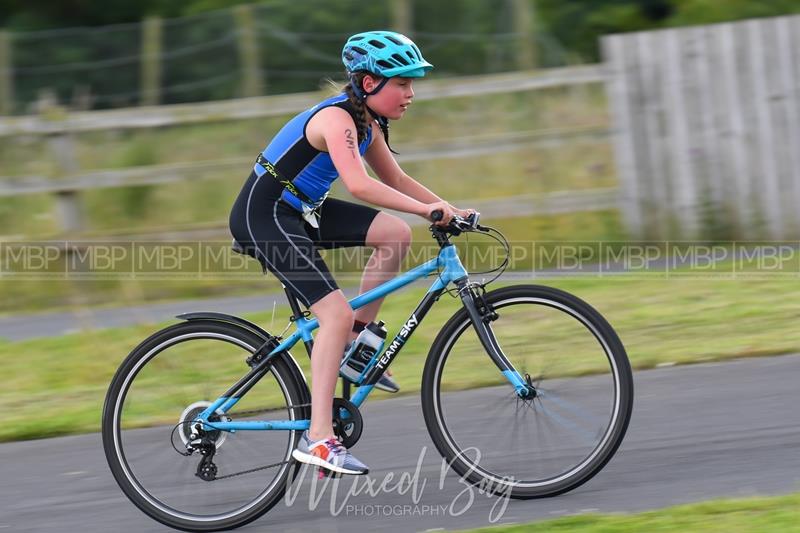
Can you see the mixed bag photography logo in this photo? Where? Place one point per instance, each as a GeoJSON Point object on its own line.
{"type": "Point", "coordinates": [412, 494]}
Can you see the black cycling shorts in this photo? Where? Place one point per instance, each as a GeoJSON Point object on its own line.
{"type": "Point", "coordinates": [276, 234]}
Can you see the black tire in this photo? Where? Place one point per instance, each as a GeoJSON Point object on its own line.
{"type": "Point", "coordinates": [294, 392]}
{"type": "Point", "coordinates": [567, 309]}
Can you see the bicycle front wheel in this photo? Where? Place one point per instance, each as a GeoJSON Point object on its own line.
{"type": "Point", "coordinates": [539, 446]}
{"type": "Point", "coordinates": [167, 381]}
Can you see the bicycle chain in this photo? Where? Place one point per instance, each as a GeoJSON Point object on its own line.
{"type": "Point", "coordinates": [249, 471]}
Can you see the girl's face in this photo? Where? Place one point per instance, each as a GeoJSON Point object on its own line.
{"type": "Point", "coordinates": [393, 99]}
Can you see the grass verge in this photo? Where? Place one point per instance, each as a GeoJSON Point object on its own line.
{"type": "Point", "coordinates": [57, 384]}
{"type": "Point", "coordinates": [778, 514]}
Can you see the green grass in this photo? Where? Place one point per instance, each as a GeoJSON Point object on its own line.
{"type": "Point", "coordinates": [775, 514]}
{"type": "Point", "coordinates": [528, 170]}
{"type": "Point", "coordinates": [57, 384]}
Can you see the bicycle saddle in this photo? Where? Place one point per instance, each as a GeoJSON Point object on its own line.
{"type": "Point", "coordinates": [237, 247]}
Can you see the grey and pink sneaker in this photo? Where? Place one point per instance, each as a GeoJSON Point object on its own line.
{"type": "Point", "coordinates": [386, 383]}
{"type": "Point", "coordinates": [328, 454]}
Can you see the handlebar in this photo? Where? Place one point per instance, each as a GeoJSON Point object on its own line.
{"type": "Point", "coordinates": [457, 224]}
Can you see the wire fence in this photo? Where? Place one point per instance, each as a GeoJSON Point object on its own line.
{"type": "Point", "coordinates": [270, 48]}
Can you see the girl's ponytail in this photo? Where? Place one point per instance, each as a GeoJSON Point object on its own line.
{"type": "Point", "coordinates": [361, 110]}
{"type": "Point", "coordinates": [359, 106]}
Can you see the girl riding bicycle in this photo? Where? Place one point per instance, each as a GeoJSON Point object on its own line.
{"type": "Point", "coordinates": [282, 217]}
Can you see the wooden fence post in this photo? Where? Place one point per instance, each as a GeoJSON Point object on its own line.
{"type": "Point", "coordinates": [6, 75]}
{"type": "Point", "coordinates": [68, 203]}
{"type": "Point", "coordinates": [252, 77]}
{"type": "Point", "coordinates": [151, 61]}
{"type": "Point", "coordinates": [62, 148]}
{"type": "Point", "coordinates": [523, 22]}
{"type": "Point", "coordinates": [403, 17]}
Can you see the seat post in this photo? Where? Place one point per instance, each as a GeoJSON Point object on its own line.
{"type": "Point", "coordinates": [294, 305]}
{"type": "Point", "coordinates": [345, 389]}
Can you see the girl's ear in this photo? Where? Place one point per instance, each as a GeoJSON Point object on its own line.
{"type": "Point", "coordinates": [369, 83]}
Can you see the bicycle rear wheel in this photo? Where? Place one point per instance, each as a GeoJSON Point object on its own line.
{"type": "Point", "coordinates": [540, 446]}
{"type": "Point", "coordinates": [163, 384]}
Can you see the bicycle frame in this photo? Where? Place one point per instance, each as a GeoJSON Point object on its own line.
{"type": "Point", "coordinates": [453, 272]}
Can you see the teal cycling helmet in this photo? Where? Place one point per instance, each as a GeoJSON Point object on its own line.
{"type": "Point", "coordinates": [384, 53]}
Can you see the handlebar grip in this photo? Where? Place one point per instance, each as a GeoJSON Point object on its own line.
{"type": "Point", "coordinates": [437, 215]}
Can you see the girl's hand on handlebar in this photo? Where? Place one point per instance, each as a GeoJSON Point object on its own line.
{"type": "Point", "coordinates": [446, 209]}
{"type": "Point", "coordinates": [463, 213]}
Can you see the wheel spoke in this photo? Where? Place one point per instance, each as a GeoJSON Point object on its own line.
{"type": "Point", "coordinates": [548, 441]}
{"type": "Point", "coordinates": [567, 424]}
{"type": "Point", "coordinates": [175, 374]}
{"type": "Point", "coordinates": [574, 409]}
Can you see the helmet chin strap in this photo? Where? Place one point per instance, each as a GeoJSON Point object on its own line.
{"type": "Point", "coordinates": [383, 122]}
{"type": "Point", "coordinates": [360, 93]}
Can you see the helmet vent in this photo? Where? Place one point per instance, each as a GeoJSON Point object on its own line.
{"type": "Point", "coordinates": [400, 59]}
{"type": "Point", "coordinates": [395, 41]}
{"type": "Point", "coordinates": [359, 50]}
{"type": "Point", "coordinates": [410, 56]}
{"type": "Point", "coordinates": [377, 44]}
{"type": "Point", "coordinates": [357, 38]}
{"type": "Point", "coordinates": [384, 63]}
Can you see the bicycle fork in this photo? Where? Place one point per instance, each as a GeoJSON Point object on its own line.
{"type": "Point", "coordinates": [482, 314]}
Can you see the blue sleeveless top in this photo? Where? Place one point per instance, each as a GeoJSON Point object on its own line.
{"type": "Point", "coordinates": [309, 169]}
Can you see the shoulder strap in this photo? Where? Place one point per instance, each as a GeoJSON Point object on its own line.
{"type": "Point", "coordinates": [347, 106]}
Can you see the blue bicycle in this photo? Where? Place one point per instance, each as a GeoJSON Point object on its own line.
{"type": "Point", "coordinates": [526, 390]}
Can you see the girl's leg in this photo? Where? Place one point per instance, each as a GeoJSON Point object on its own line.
{"type": "Point", "coordinates": [390, 237]}
{"type": "Point", "coordinates": [335, 324]}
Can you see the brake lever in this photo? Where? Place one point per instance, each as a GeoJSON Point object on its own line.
{"type": "Point", "coordinates": [458, 224]}
{"type": "Point", "coordinates": [467, 224]}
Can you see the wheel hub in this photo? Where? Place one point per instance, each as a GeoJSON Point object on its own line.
{"type": "Point", "coordinates": [187, 424]}
{"type": "Point", "coordinates": [530, 392]}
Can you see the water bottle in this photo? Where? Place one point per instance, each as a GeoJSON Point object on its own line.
{"type": "Point", "coordinates": [358, 356]}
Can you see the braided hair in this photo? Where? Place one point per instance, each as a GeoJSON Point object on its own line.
{"type": "Point", "coordinates": [359, 103]}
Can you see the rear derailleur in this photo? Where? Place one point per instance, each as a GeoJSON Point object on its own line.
{"type": "Point", "coordinates": [203, 443]}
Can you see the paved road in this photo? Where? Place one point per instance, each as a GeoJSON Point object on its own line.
{"type": "Point", "coordinates": [53, 324]}
{"type": "Point", "coordinates": [698, 432]}
{"type": "Point", "coordinates": [57, 323]}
